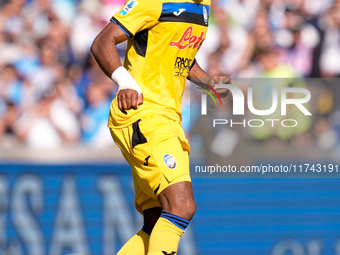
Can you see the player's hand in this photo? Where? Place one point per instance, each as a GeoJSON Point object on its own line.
{"type": "Point", "coordinates": [129, 99]}
{"type": "Point", "coordinates": [219, 79]}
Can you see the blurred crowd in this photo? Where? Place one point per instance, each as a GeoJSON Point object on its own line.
{"type": "Point", "coordinates": [52, 92]}
{"type": "Point", "coordinates": [274, 38]}
{"type": "Point", "coordinates": [250, 39]}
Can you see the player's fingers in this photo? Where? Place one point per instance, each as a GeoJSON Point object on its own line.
{"type": "Point", "coordinates": [221, 79]}
{"type": "Point", "coordinates": [225, 80]}
{"type": "Point", "coordinates": [119, 102]}
{"type": "Point", "coordinates": [140, 99]}
{"type": "Point", "coordinates": [133, 101]}
{"type": "Point", "coordinates": [128, 100]}
{"type": "Point", "coordinates": [211, 82]}
{"type": "Point", "coordinates": [123, 101]}
{"type": "Point", "coordinates": [216, 79]}
{"type": "Point", "coordinates": [120, 106]}
{"type": "Point", "coordinates": [222, 92]}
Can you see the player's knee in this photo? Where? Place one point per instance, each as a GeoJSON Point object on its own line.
{"type": "Point", "coordinates": [178, 200]}
{"type": "Point", "coordinates": [185, 208]}
{"type": "Point", "coordinates": [189, 209]}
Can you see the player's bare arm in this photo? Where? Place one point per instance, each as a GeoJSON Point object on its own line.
{"type": "Point", "coordinates": [105, 52]}
{"type": "Point", "coordinates": [200, 77]}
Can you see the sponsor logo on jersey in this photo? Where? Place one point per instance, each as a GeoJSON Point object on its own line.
{"type": "Point", "coordinates": [169, 161]}
{"type": "Point", "coordinates": [188, 40]}
{"type": "Point", "coordinates": [182, 66]}
{"type": "Point", "coordinates": [179, 12]}
{"type": "Point", "coordinates": [128, 7]}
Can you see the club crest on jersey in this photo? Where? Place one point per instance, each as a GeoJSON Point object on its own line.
{"type": "Point", "coordinates": [128, 7]}
{"type": "Point", "coordinates": [169, 161]}
{"type": "Point", "coordinates": [188, 40]}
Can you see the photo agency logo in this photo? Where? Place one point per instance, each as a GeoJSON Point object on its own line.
{"type": "Point", "coordinates": [284, 100]}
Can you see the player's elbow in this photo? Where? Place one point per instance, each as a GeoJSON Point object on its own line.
{"type": "Point", "coordinates": [95, 46]}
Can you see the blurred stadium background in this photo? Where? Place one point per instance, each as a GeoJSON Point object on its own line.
{"type": "Point", "coordinates": [64, 186]}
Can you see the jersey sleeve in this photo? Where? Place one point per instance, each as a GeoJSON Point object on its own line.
{"type": "Point", "coordinates": [137, 15]}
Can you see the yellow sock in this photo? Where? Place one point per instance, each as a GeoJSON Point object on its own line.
{"type": "Point", "coordinates": [137, 245]}
{"type": "Point", "coordinates": [166, 234]}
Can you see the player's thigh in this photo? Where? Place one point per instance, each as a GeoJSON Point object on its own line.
{"type": "Point", "coordinates": [127, 139]}
{"type": "Point", "coordinates": [163, 159]}
{"type": "Point", "coordinates": [154, 149]}
{"type": "Point", "coordinates": [173, 162]}
{"type": "Point", "coordinates": [169, 180]}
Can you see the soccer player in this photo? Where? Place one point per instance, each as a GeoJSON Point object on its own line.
{"type": "Point", "coordinates": [145, 117]}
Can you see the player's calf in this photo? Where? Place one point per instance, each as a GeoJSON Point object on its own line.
{"type": "Point", "coordinates": [151, 216]}
{"type": "Point", "coordinates": [179, 207]}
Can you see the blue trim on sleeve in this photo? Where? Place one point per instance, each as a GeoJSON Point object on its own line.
{"type": "Point", "coordinates": [126, 31]}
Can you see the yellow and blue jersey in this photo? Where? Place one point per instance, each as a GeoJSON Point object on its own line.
{"type": "Point", "coordinates": [164, 37]}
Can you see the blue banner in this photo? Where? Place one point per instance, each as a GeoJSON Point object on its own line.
{"type": "Point", "coordinates": [88, 209]}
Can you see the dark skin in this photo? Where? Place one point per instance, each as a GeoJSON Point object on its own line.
{"type": "Point", "coordinates": [106, 55]}
{"type": "Point", "coordinates": [177, 203]}
{"type": "Point", "coordinates": [177, 199]}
